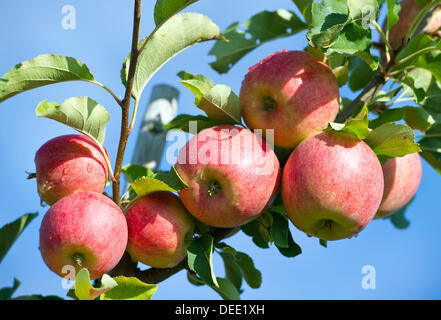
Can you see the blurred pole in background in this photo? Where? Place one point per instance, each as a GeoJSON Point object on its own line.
{"type": "Point", "coordinates": [150, 143]}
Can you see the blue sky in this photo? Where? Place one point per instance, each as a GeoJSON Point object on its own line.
{"type": "Point", "coordinates": [407, 262]}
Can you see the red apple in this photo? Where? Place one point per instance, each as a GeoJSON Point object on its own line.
{"type": "Point", "coordinates": [232, 173]}
{"type": "Point", "coordinates": [84, 229]}
{"type": "Point", "coordinates": [408, 13]}
{"type": "Point", "coordinates": [332, 185]}
{"type": "Point", "coordinates": [291, 92]}
{"type": "Point", "coordinates": [402, 177]}
{"type": "Point", "coordinates": [159, 230]}
{"type": "Point", "coordinates": [67, 164]}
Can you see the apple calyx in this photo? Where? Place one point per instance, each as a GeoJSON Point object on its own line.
{"type": "Point", "coordinates": [214, 188]}
{"type": "Point", "coordinates": [78, 258]}
{"type": "Point", "coordinates": [326, 224]}
{"type": "Point", "coordinates": [269, 104]}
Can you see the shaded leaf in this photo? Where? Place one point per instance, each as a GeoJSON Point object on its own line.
{"type": "Point", "coordinates": [164, 9]}
{"type": "Point", "coordinates": [6, 293]}
{"type": "Point", "coordinates": [262, 27]}
{"type": "Point", "coordinates": [10, 232]}
{"type": "Point", "coordinates": [226, 289]}
{"type": "Point", "coordinates": [293, 248]}
{"type": "Point", "coordinates": [200, 254]}
{"type": "Point", "coordinates": [232, 270]}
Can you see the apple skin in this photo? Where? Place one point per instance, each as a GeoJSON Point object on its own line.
{"type": "Point", "coordinates": [159, 229]}
{"type": "Point", "coordinates": [409, 11]}
{"type": "Point", "coordinates": [88, 224]}
{"type": "Point", "coordinates": [332, 185]}
{"type": "Point", "coordinates": [434, 24]}
{"type": "Point", "coordinates": [67, 164]}
{"type": "Point", "coordinates": [402, 177]}
{"type": "Point", "coordinates": [291, 92]}
{"type": "Point", "coordinates": [223, 191]}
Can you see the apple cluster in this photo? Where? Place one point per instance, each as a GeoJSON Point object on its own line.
{"type": "Point", "coordinates": [332, 185]}
{"type": "Point", "coordinates": [85, 229]}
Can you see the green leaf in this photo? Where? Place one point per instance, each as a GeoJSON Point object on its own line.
{"type": "Point", "coordinates": [146, 185]}
{"type": "Point", "coordinates": [6, 293]}
{"type": "Point", "coordinates": [362, 9]}
{"type": "Point", "coordinates": [323, 243]}
{"type": "Point", "coordinates": [164, 9]}
{"type": "Point", "coordinates": [398, 218]}
{"type": "Point", "coordinates": [200, 254]}
{"type": "Point", "coordinates": [258, 232]}
{"type": "Point", "coordinates": [11, 231]}
{"type": "Point", "coordinates": [263, 27]}
{"type": "Point", "coordinates": [172, 179]}
{"type": "Point", "coordinates": [329, 17]}
{"type": "Point", "coordinates": [226, 289]}
{"type": "Point", "coordinates": [293, 248]}
{"type": "Point", "coordinates": [388, 116]}
{"type": "Point", "coordinates": [418, 42]}
{"type": "Point", "coordinates": [192, 124]}
{"type": "Point", "coordinates": [176, 34]}
{"type": "Point", "coordinates": [129, 288]}
{"type": "Point", "coordinates": [304, 7]}
{"type": "Point", "coordinates": [356, 126]}
{"type": "Point", "coordinates": [81, 113]}
{"type": "Point", "coordinates": [418, 81]}
{"type": "Point", "coordinates": [431, 145]}
{"type": "Point", "coordinates": [84, 289]}
{"type": "Point", "coordinates": [393, 9]}
{"type": "Point", "coordinates": [221, 104]}
{"type": "Point", "coordinates": [252, 276]}
{"type": "Point", "coordinates": [279, 230]}
{"type": "Point", "coordinates": [351, 40]}
{"type": "Point", "coordinates": [232, 270]}
{"type": "Point", "coordinates": [42, 70]}
{"type": "Point", "coordinates": [392, 140]}
{"type": "Point", "coordinates": [133, 172]}
{"type": "Point", "coordinates": [194, 279]}
{"type": "Point", "coordinates": [360, 75]}
{"type": "Point", "coordinates": [418, 118]}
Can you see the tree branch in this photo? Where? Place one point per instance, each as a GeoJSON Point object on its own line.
{"type": "Point", "coordinates": [126, 105]}
{"type": "Point", "coordinates": [369, 92]}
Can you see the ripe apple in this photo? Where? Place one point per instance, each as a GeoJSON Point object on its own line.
{"type": "Point", "coordinates": [84, 229]}
{"type": "Point", "coordinates": [159, 230]}
{"type": "Point", "coordinates": [408, 13]}
{"type": "Point", "coordinates": [332, 185]}
{"type": "Point", "coordinates": [291, 92]}
{"type": "Point", "coordinates": [232, 173]}
{"type": "Point", "coordinates": [402, 177]}
{"type": "Point", "coordinates": [67, 164]}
